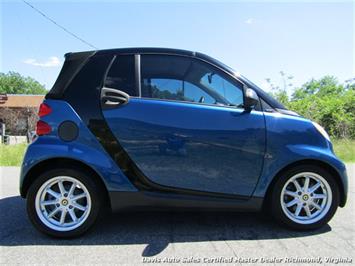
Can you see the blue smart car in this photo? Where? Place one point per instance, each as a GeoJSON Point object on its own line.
{"type": "Point", "coordinates": [165, 128]}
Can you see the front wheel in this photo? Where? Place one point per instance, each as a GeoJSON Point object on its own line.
{"type": "Point", "coordinates": [63, 202]}
{"type": "Point", "coordinates": [305, 197]}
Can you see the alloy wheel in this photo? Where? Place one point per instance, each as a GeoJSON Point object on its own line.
{"type": "Point", "coordinates": [306, 198]}
{"type": "Point", "coordinates": [63, 203]}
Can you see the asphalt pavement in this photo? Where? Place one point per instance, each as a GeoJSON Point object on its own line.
{"type": "Point", "coordinates": [173, 238]}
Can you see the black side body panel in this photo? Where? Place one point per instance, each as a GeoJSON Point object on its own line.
{"type": "Point", "coordinates": [83, 93]}
{"type": "Point", "coordinates": [72, 65]}
{"type": "Point", "coordinates": [146, 200]}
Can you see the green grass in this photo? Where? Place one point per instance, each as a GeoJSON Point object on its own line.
{"type": "Point", "coordinates": [345, 149]}
{"type": "Point", "coordinates": [12, 155]}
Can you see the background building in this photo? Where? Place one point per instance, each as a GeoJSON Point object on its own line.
{"type": "Point", "coordinates": [19, 113]}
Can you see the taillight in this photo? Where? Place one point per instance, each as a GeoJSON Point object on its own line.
{"type": "Point", "coordinates": [42, 128]}
{"type": "Point", "coordinates": [44, 109]}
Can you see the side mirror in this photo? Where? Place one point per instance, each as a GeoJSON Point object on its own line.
{"type": "Point", "coordinates": [251, 99]}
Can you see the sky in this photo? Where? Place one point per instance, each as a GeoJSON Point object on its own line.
{"type": "Point", "coordinates": [257, 38]}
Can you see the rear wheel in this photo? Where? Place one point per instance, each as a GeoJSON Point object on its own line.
{"type": "Point", "coordinates": [63, 202]}
{"type": "Point", "coordinates": [305, 197]}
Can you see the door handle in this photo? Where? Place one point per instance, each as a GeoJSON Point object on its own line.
{"type": "Point", "coordinates": [112, 97]}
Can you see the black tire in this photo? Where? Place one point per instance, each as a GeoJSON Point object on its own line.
{"type": "Point", "coordinates": [275, 202]}
{"type": "Point", "coordinates": [95, 194]}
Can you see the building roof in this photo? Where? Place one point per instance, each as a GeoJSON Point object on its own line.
{"type": "Point", "coordinates": [22, 100]}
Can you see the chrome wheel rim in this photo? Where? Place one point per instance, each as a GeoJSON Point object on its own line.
{"type": "Point", "coordinates": [63, 203]}
{"type": "Point", "coordinates": [306, 198]}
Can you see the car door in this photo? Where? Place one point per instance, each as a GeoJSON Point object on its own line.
{"type": "Point", "coordinates": [184, 126]}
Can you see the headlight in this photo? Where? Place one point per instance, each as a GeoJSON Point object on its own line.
{"type": "Point", "coordinates": [321, 130]}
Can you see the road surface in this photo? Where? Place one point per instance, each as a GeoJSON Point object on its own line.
{"type": "Point", "coordinates": [173, 238]}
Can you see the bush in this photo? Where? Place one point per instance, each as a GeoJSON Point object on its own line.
{"type": "Point", "coordinates": [327, 102]}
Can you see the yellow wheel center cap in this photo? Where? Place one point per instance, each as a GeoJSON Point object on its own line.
{"type": "Point", "coordinates": [305, 197]}
{"type": "Point", "coordinates": [64, 202]}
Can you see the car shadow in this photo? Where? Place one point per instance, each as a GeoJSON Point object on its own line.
{"type": "Point", "coordinates": [155, 229]}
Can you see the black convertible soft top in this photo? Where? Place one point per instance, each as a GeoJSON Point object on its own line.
{"type": "Point", "coordinates": [75, 61]}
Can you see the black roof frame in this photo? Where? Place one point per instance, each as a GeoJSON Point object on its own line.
{"type": "Point", "coordinates": [171, 51]}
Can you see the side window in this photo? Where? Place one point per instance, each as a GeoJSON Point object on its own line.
{"type": "Point", "coordinates": [233, 94]}
{"type": "Point", "coordinates": [184, 79]}
{"type": "Point", "coordinates": [163, 88]}
{"type": "Point", "coordinates": [193, 93]}
{"type": "Point", "coordinates": [162, 76]}
{"type": "Point", "coordinates": [121, 75]}
{"type": "Point", "coordinates": [173, 89]}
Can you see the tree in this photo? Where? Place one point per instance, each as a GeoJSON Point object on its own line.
{"type": "Point", "coordinates": [280, 93]}
{"type": "Point", "coordinates": [325, 101]}
{"type": "Point", "coordinates": [14, 83]}
{"type": "Point", "coordinates": [327, 85]}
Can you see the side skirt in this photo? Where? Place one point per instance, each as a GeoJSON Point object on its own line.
{"type": "Point", "coordinates": [146, 200]}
